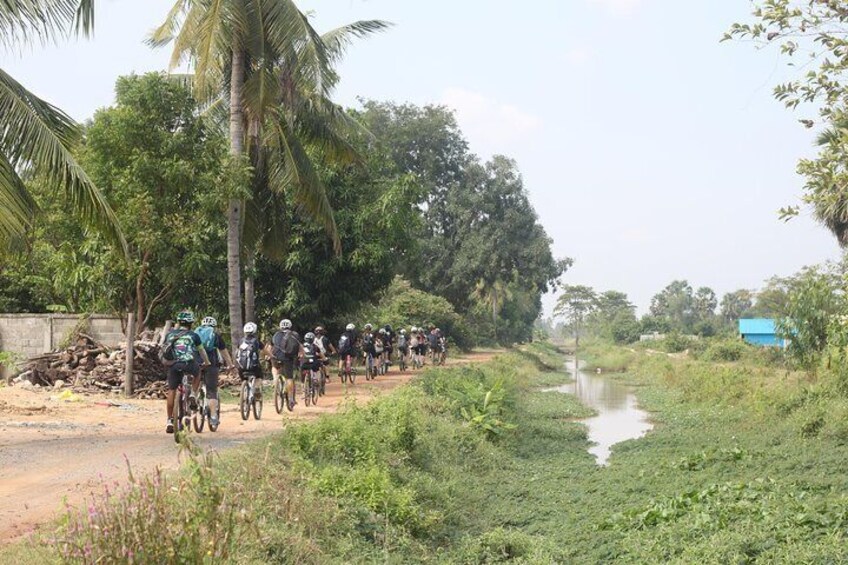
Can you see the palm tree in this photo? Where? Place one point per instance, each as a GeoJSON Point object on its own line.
{"type": "Point", "coordinates": [492, 294]}
{"type": "Point", "coordinates": [287, 118]}
{"type": "Point", "coordinates": [238, 48]}
{"type": "Point", "coordinates": [36, 137]}
{"type": "Point", "coordinates": [829, 193]}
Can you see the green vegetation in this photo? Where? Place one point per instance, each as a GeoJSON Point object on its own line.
{"type": "Point", "coordinates": [477, 465]}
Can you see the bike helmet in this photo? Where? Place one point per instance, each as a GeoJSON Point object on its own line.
{"type": "Point", "coordinates": [413, 329]}
{"type": "Point", "coordinates": [309, 337]}
{"type": "Point", "coordinates": [185, 317]}
{"type": "Point", "coordinates": [350, 327]}
{"type": "Point", "coordinates": [319, 330]}
{"type": "Point", "coordinates": [285, 324]}
{"type": "Point", "coordinates": [250, 328]}
{"type": "Point", "coordinates": [402, 331]}
{"type": "Point", "coordinates": [382, 331]}
{"type": "Point", "coordinates": [209, 321]}
{"type": "Point", "coordinates": [388, 328]}
{"type": "Point", "coordinates": [368, 327]}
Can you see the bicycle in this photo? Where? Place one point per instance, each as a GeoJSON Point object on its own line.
{"type": "Point", "coordinates": [384, 363]}
{"type": "Point", "coordinates": [310, 387]}
{"type": "Point", "coordinates": [370, 370]}
{"type": "Point", "coordinates": [402, 361]}
{"type": "Point", "coordinates": [348, 373]}
{"type": "Point", "coordinates": [200, 416]}
{"type": "Point", "coordinates": [180, 413]}
{"type": "Point", "coordinates": [249, 398]}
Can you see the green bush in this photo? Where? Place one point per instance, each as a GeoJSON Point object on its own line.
{"type": "Point", "coordinates": [403, 306]}
{"type": "Point", "coordinates": [725, 350]}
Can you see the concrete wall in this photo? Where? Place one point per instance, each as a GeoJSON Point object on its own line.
{"type": "Point", "coordinates": [28, 335]}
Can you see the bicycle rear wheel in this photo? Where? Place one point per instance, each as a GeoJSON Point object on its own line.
{"type": "Point", "coordinates": [316, 387]}
{"type": "Point", "coordinates": [279, 396]}
{"type": "Point", "coordinates": [177, 415]}
{"type": "Point", "coordinates": [257, 404]}
{"type": "Point", "coordinates": [198, 417]}
{"type": "Point", "coordinates": [244, 400]}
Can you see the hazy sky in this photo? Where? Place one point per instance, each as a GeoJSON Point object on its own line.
{"type": "Point", "coordinates": [650, 150]}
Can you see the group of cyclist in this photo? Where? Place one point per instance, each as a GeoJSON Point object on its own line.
{"type": "Point", "coordinates": [202, 353]}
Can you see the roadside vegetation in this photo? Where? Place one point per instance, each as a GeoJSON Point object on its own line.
{"type": "Point", "coordinates": [481, 465]}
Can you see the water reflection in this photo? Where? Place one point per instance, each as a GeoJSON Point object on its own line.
{"type": "Point", "coordinates": [618, 419]}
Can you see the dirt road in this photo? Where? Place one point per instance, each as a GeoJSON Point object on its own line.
{"type": "Point", "coordinates": [53, 450]}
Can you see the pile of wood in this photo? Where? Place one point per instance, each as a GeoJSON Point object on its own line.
{"type": "Point", "coordinates": [88, 366]}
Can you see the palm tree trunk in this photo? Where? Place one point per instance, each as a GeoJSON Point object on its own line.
{"type": "Point", "coordinates": [235, 205]}
{"type": "Point", "coordinates": [249, 289]}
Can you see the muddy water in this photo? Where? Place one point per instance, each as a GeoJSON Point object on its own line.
{"type": "Point", "coordinates": [619, 418]}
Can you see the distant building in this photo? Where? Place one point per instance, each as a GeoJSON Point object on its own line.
{"type": "Point", "coordinates": [760, 331]}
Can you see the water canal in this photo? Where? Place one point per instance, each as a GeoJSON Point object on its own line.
{"type": "Point", "coordinates": [619, 417]}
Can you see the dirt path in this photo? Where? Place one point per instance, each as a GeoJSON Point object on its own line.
{"type": "Point", "coordinates": [52, 450]}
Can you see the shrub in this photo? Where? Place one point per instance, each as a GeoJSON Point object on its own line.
{"type": "Point", "coordinates": [191, 520]}
{"type": "Point", "coordinates": [725, 350]}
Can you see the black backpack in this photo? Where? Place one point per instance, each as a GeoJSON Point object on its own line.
{"type": "Point", "coordinates": [248, 355]}
{"type": "Point", "coordinates": [286, 345]}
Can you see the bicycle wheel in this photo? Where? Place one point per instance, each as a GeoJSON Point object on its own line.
{"type": "Point", "coordinates": [290, 398]}
{"type": "Point", "coordinates": [198, 417]}
{"type": "Point", "coordinates": [307, 388]}
{"type": "Point", "coordinates": [177, 415]}
{"type": "Point", "coordinates": [279, 396]}
{"type": "Point", "coordinates": [257, 404]}
{"type": "Point", "coordinates": [244, 400]}
{"type": "Point", "coordinates": [316, 387]}
{"type": "Point", "coordinates": [322, 384]}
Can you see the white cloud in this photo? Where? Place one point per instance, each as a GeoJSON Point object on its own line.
{"type": "Point", "coordinates": [620, 8]}
{"type": "Point", "coordinates": [490, 125]}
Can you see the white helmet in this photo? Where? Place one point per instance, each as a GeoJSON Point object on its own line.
{"type": "Point", "coordinates": [285, 324]}
{"type": "Point", "coordinates": [413, 329]}
{"type": "Point", "coordinates": [350, 327]}
{"type": "Point", "coordinates": [209, 321]}
{"type": "Point", "coordinates": [402, 331]}
{"type": "Point", "coordinates": [368, 326]}
{"type": "Point", "coordinates": [249, 328]}
{"type": "Point", "coordinates": [309, 337]}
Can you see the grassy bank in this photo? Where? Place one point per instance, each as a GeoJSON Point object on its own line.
{"type": "Point", "coordinates": [477, 465]}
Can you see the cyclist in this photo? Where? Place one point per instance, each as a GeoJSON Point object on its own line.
{"type": "Point", "coordinates": [389, 343]}
{"type": "Point", "coordinates": [403, 347]}
{"type": "Point", "coordinates": [325, 347]}
{"type": "Point", "coordinates": [312, 358]}
{"type": "Point", "coordinates": [422, 346]}
{"type": "Point", "coordinates": [379, 350]}
{"type": "Point", "coordinates": [368, 343]}
{"type": "Point", "coordinates": [181, 347]}
{"type": "Point", "coordinates": [249, 351]}
{"type": "Point", "coordinates": [286, 348]}
{"type": "Point", "coordinates": [215, 348]}
{"type": "Point", "coordinates": [433, 344]}
{"type": "Point", "coordinates": [347, 346]}
{"type": "Point", "coordinates": [413, 345]}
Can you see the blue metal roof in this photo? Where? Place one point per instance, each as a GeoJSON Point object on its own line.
{"type": "Point", "coordinates": [759, 326]}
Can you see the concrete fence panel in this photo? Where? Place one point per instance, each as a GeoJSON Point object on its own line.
{"type": "Point", "coordinates": [28, 335]}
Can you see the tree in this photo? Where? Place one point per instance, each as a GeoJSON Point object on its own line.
{"type": "Point", "coordinates": [230, 42]}
{"type": "Point", "coordinates": [675, 304]}
{"type": "Point", "coordinates": [38, 138]}
{"type": "Point", "coordinates": [261, 50]}
{"type": "Point", "coordinates": [735, 305]}
{"type": "Point", "coordinates": [705, 303]}
{"type": "Point", "coordinates": [574, 304]}
{"type": "Point", "coordinates": [816, 297]}
{"type": "Point", "coordinates": [614, 318]}
{"type": "Point", "coordinates": [158, 165]}
{"type": "Point", "coordinates": [816, 31]}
